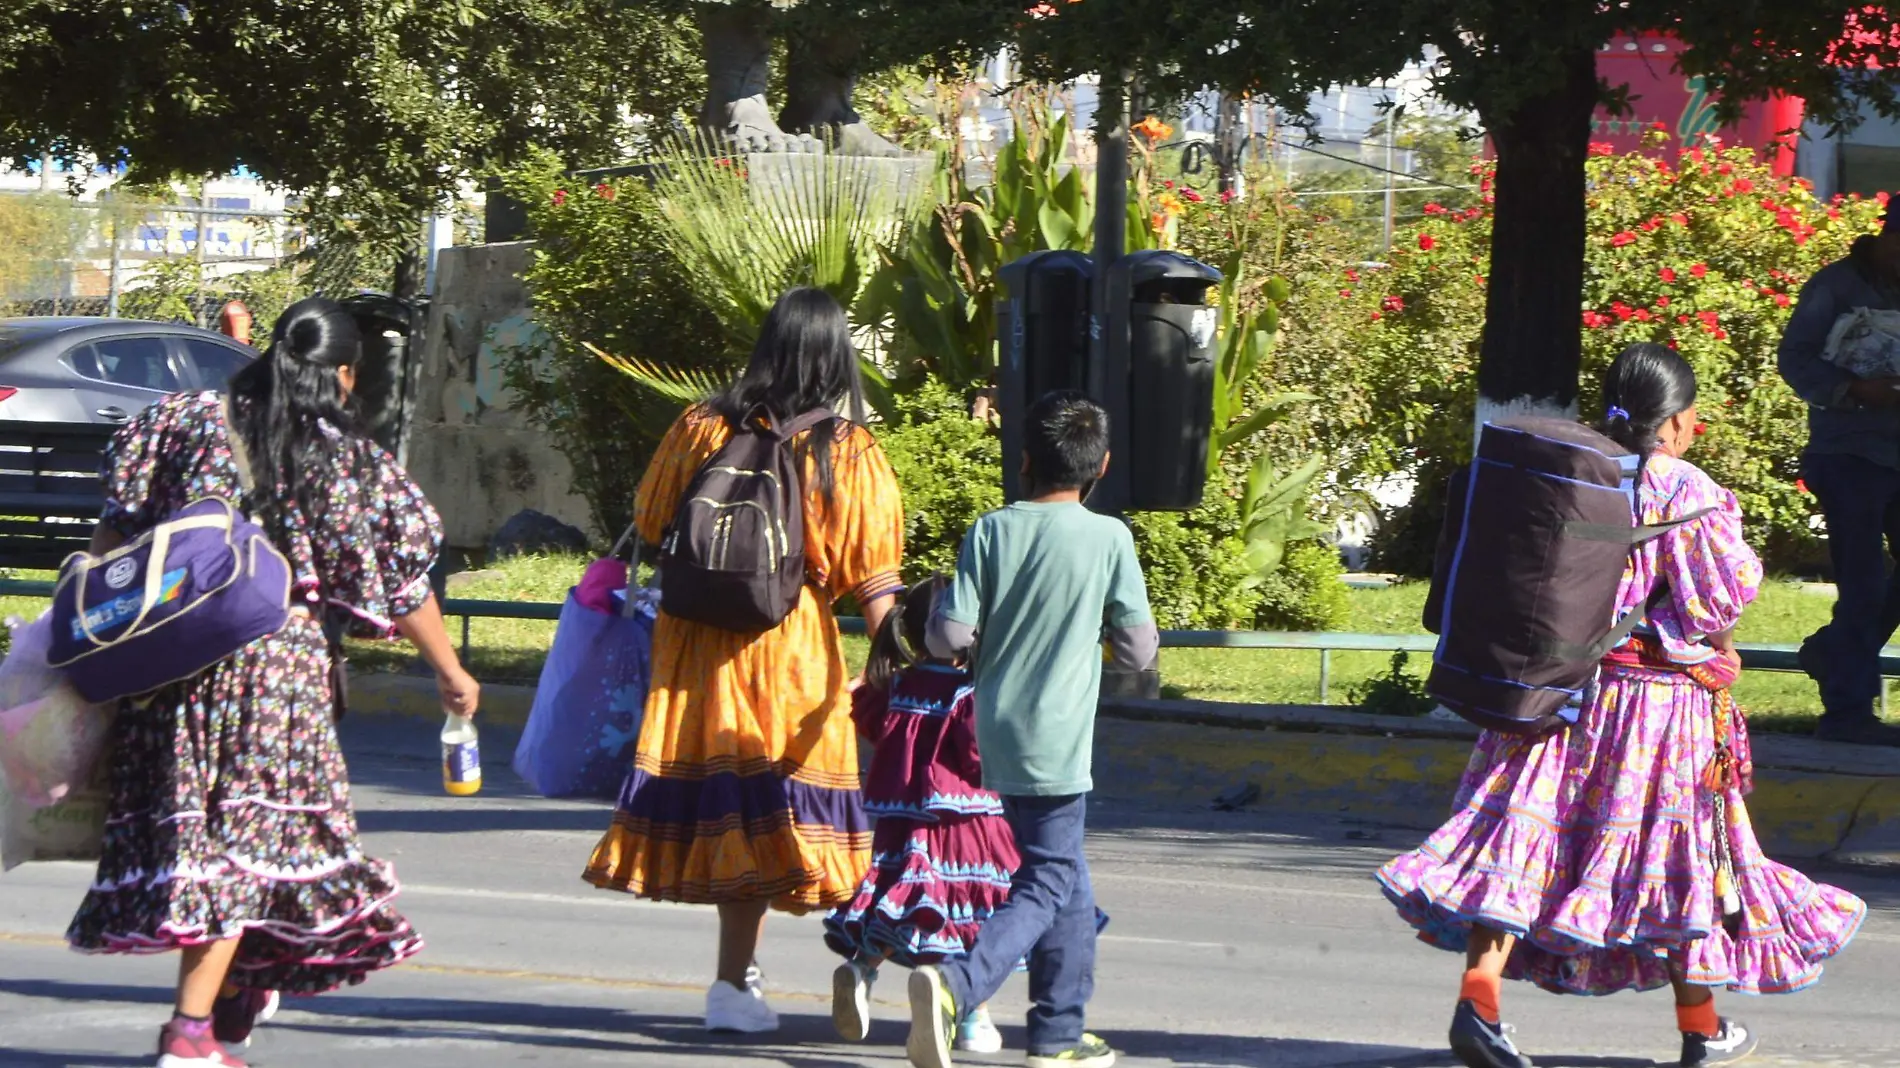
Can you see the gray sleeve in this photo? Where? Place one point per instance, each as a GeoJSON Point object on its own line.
{"type": "Point", "coordinates": [947, 638]}
{"type": "Point", "coordinates": [1137, 648]}
{"type": "Point", "coordinates": [1799, 359]}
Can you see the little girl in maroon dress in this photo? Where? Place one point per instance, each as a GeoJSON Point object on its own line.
{"type": "Point", "coordinates": [942, 854]}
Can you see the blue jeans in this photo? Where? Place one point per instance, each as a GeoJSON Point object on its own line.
{"type": "Point", "coordinates": [1861, 501]}
{"type": "Point", "coordinates": [1049, 918]}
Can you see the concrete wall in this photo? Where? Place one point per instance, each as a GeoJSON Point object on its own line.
{"type": "Point", "coordinates": [479, 460]}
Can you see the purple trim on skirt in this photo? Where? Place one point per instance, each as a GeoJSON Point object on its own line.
{"type": "Point", "coordinates": [690, 802]}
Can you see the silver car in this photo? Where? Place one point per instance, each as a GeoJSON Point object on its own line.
{"type": "Point", "coordinates": [81, 370]}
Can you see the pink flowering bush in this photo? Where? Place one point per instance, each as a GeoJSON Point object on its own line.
{"type": "Point", "coordinates": [1705, 253]}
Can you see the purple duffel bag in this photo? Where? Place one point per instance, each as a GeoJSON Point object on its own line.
{"type": "Point", "coordinates": [168, 604]}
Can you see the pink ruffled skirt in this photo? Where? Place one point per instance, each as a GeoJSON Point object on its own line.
{"type": "Point", "coordinates": [1596, 848]}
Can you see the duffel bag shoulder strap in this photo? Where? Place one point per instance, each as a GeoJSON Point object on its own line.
{"type": "Point", "coordinates": [1622, 535]}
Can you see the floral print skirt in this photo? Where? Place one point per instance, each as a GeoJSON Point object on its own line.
{"type": "Point", "coordinates": [1596, 847]}
{"type": "Point", "coordinates": [230, 817]}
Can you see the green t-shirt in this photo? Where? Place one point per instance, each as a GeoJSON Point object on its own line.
{"type": "Point", "coordinates": [1039, 582]}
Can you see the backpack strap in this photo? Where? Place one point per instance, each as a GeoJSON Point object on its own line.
{"type": "Point", "coordinates": [797, 426]}
{"type": "Point", "coordinates": [1621, 535]}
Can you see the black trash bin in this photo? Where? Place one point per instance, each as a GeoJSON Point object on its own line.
{"type": "Point", "coordinates": [1167, 335]}
{"type": "Point", "coordinates": [1043, 342]}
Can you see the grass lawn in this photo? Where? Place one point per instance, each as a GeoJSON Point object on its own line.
{"type": "Point", "coordinates": [506, 650]}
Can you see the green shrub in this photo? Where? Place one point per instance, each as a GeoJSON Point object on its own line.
{"type": "Point", "coordinates": [1306, 592]}
{"type": "Point", "coordinates": [1704, 253]}
{"type": "Point", "coordinates": [1398, 692]}
{"type": "Point", "coordinates": [950, 468]}
{"type": "Point", "coordinates": [1196, 565]}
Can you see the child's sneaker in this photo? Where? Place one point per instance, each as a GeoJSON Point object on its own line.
{"type": "Point", "coordinates": [729, 1008]}
{"type": "Point", "coordinates": [1482, 1044]}
{"type": "Point", "coordinates": [178, 1047]}
{"type": "Point", "coordinates": [851, 1000]}
{"type": "Point", "coordinates": [1090, 1052]}
{"type": "Point", "coordinates": [977, 1034]}
{"type": "Point", "coordinates": [1734, 1042]}
{"type": "Point", "coordinates": [933, 1019]}
{"type": "Point", "coordinates": [233, 1018]}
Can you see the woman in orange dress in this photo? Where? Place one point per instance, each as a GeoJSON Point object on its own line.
{"type": "Point", "coordinates": [744, 788]}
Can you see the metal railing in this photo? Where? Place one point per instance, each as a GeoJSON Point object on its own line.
{"type": "Point", "coordinates": [1771, 657]}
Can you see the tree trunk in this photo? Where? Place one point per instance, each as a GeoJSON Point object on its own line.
{"type": "Point", "coordinates": [1533, 336]}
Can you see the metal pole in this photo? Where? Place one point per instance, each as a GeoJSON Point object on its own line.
{"type": "Point", "coordinates": [115, 281]}
{"type": "Point", "coordinates": [197, 311]}
{"type": "Point", "coordinates": [1391, 179]}
{"type": "Point", "coordinates": [1107, 382]}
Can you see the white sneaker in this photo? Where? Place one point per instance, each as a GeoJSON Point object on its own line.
{"type": "Point", "coordinates": [851, 1000]}
{"type": "Point", "coordinates": [977, 1034]}
{"type": "Point", "coordinates": [729, 1008]}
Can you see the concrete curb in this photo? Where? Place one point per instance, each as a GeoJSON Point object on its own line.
{"type": "Point", "coordinates": [1812, 801]}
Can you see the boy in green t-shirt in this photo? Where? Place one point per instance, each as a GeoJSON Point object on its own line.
{"type": "Point", "coordinates": [1042, 581]}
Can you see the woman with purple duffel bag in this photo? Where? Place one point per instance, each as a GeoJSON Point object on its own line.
{"type": "Point", "coordinates": [230, 835]}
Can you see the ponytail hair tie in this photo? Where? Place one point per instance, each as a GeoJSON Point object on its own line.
{"type": "Point", "coordinates": [1616, 413]}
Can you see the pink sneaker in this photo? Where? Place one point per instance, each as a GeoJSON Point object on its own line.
{"type": "Point", "coordinates": [179, 1048]}
{"type": "Point", "coordinates": [234, 1017]}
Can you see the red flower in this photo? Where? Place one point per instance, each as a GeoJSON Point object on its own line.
{"type": "Point", "coordinates": [1700, 270]}
{"type": "Point", "coordinates": [1192, 197]}
{"type": "Point", "coordinates": [1351, 275]}
{"type": "Point", "coordinates": [605, 191]}
{"type": "Point", "coordinates": [1480, 279]}
{"type": "Point", "coordinates": [1708, 318]}
{"type": "Point", "coordinates": [559, 197]}
{"type": "Point", "coordinates": [1599, 148]}
{"type": "Point", "coordinates": [1227, 196]}
{"type": "Point", "coordinates": [1622, 239]}
{"type": "Point", "coordinates": [1701, 429]}
{"type": "Point", "coordinates": [1679, 219]}
{"type": "Point", "coordinates": [1434, 208]}
{"type": "Point", "coordinates": [1726, 168]}
{"type": "Point", "coordinates": [1720, 334]}
{"type": "Point", "coordinates": [1801, 485]}
{"type": "Point", "coordinates": [1683, 319]}
{"type": "Point", "coordinates": [1662, 302]}
{"type": "Point", "coordinates": [1167, 184]}
{"type": "Point", "coordinates": [1642, 315]}
{"type": "Point", "coordinates": [1393, 303]}
{"type": "Point", "coordinates": [1375, 317]}
{"type": "Point", "coordinates": [1622, 311]}
{"type": "Point", "coordinates": [1595, 320]}
{"type": "Point", "coordinates": [1345, 293]}
{"type": "Point", "coordinates": [1786, 219]}
{"type": "Point", "coordinates": [1427, 242]}
{"type": "Point", "coordinates": [1743, 187]}
{"type": "Point", "coordinates": [1783, 299]}
{"type": "Point", "coordinates": [1667, 274]}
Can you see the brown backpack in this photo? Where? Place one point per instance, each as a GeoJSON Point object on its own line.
{"type": "Point", "coordinates": [734, 557]}
{"type": "Point", "coordinates": [1537, 535]}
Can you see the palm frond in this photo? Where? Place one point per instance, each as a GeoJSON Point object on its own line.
{"type": "Point", "coordinates": [683, 385]}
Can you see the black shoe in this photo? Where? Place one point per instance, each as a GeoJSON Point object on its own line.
{"type": "Point", "coordinates": [1486, 1045]}
{"type": "Point", "coordinates": [1860, 730]}
{"type": "Point", "coordinates": [1735, 1042]}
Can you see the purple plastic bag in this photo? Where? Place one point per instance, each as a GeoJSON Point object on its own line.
{"type": "Point", "coordinates": [168, 604]}
{"type": "Point", "coordinates": [590, 702]}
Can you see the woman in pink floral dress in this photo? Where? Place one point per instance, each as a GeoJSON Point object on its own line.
{"type": "Point", "coordinates": [1617, 855]}
{"type": "Point", "coordinates": [230, 837]}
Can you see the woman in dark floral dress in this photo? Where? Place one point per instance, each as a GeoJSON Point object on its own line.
{"type": "Point", "coordinates": [231, 837]}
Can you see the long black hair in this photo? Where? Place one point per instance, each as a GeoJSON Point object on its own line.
{"type": "Point", "coordinates": [1647, 384]}
{"type": "Point", "coordinates": [802, 361]}
{"type": "Point", "coordinates": [280, 402]}
{"type": "Point", "coordinates": [899, 643]}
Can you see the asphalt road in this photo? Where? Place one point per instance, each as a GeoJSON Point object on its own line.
{"type": "Point", "coordinates": [1237, 940]}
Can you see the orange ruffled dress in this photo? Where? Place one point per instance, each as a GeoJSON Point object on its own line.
{"type": "Point", "coordinates": [745, 779]}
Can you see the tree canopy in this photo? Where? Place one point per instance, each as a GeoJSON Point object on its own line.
{"type": "Point", "coordinates": [372, 110]}
{"type": "Point", "coordinates": [1527, 67]}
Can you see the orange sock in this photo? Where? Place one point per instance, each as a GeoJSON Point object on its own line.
{"type": "Point", "coordinates": [1482, 991]}
{"type": "Point", "coordinates": [1699, 1019]}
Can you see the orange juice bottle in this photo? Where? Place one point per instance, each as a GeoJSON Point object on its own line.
{"type": "Point", "coordinates": [461, 757]}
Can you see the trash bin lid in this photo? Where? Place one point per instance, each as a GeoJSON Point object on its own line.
{"type": "Point", "coordinates": [1157, 265]}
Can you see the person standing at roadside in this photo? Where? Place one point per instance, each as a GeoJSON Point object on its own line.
{"type": "Point", "coordinates": [1852, 465]}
